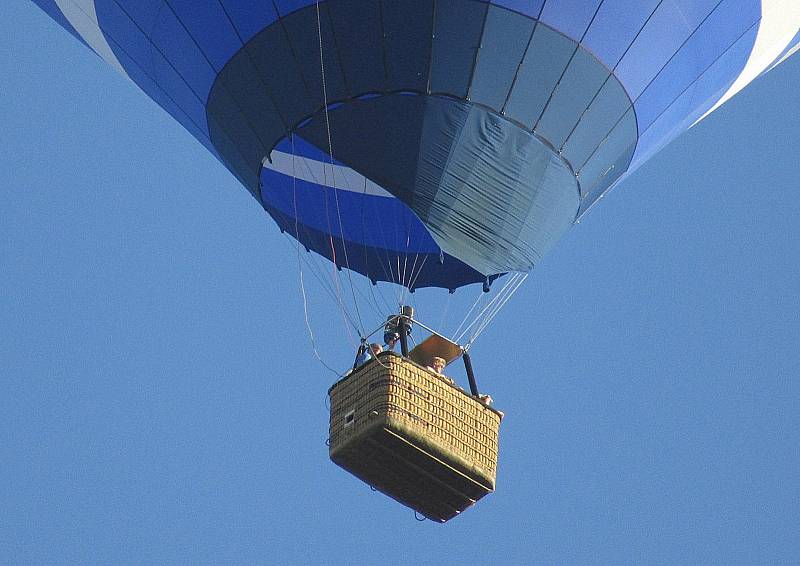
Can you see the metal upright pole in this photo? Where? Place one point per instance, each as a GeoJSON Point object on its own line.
{"type": "Point", "coordinates": [473, 387]}
{"type": "Point", "coordinates": [402, 329]}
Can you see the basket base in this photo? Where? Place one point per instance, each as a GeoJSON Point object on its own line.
{"type": "Point", "coordinates": [398, 466]}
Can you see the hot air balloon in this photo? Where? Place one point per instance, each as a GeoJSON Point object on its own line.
{"type": "Point", "coordinates": [434, 143]}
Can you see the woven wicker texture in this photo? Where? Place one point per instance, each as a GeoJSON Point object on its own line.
{"type": "Point", "coordinates": [414, 436]}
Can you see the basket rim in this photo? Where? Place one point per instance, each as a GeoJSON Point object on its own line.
{"type": "Point", "coordinates": [403, 359]}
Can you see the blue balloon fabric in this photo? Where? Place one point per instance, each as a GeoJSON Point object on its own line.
{"type": "Point", "coordinates": [434, 143]}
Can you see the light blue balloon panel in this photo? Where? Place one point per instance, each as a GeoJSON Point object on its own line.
{"type": "Point", "coordinates": [463, 135]}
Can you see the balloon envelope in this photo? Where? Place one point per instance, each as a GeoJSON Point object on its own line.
{"type": "Point", "coordinates": [461, 135]}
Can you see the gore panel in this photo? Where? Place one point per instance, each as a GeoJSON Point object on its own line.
{"type": "Point", "coordinates": [144, 13]}
{"type": "Point", "coordinates": [580, 84]}
{"type": "Point", "coordinates": [530, 8]}
{"type": "Point", "coordinates": [603, 162]}
{"type": "Point", "coordinates": [378, 137]}
{"type": "Point", "coordinates": [140, 60]}
{"type": "Point", "coordinates": [357, 29]}
{"type": "Point", "coordinates": [547, 57]}
{"type": "Point", "coordinates": [456, 41]}
{"type": "Point", "coordinates": [245, 89]}
{"type": "Point", "coordinates": [196, 126]}
{"type": "Point", "coordinates": [249, 18]}
{"type": "Point", "coordinates": [125, 36]}
{"type": "Point", "coordinates": [616, 25]}
{"type": "Point", "coordinates": [691, 104]}
{"type": "Point", "coordinates": [712, 38]}
{"type": "Point", "coordinates": [602, 115]}
{"type": "Point", "coordinates": [663, 35]}
{"type": "Point", "coordinates": [272, 55]}
{"type": "Point", "coordinates": [505, 37]}
{"type": "Point", "coordinates": [610, 177]}
{"type": "Point", "coordinates": [164, 74]}
{"type": "Point", "coordinates": [170, 37]}
{"type": "Point", "coordinates": [235, 138]}
{"type": "Point", "coordinates": [286, 7]}
{"type": "Point", "coordinates": [407, 27]}
{"type": "Point", "coordinates": [304, 38]}
{"type": "Point", "coordinates": [570, 17]}
{"type": "Point", "coordinates": [210, 28]}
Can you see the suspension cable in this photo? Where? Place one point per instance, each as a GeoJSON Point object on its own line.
{"type": "Point", "coordinates": [323, 280]}
{"type": "Point", "coordinates": [414, 280]}
{"type": "Point", "coordinates": [300, 269]}
{"type": "Point", "coordinates": [497, 299]}
{"type": "Point", "coordinates": [500, 298]}
{"type": "Point", "coordinates": [445, 310]}
{"type": "Point", "coordinates": [333, 168]}
{"type": "Point", "coordinates": [304, 162]}
{"type": "Point", "coordinates": [366, 259]}
{"type": "Point", "coordinates": [490, 305]}
{"type": "Point", "coordinates": [497, 309]}
{"type": "Point", "coordinates": [481, 295]}
{"type": "Point", "coordinates": [326, 281]}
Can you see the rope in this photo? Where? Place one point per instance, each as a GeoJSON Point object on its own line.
{"type": "Point", "coordinates": [366, 259]}
{"type": "Point", "coordinates": [445, 310]}
{"type": "Point", "coordinates": [327, 281]}
{"type": "Point", "coordinates": [497, 309]}
{"type": "Point", "coordinates": [414, 280]}
{"type": "Point", "coordinates": [489, 306]}
{"type": "Point", "coordinates": [333, 169]}
{"type": "Point", "coordinates": [403, 280]}
{"type": "Point", "coordinates": [300, 269]}
{"type": "Point", "coordinates": [310, 331]}
{"type": "Point", "coordinates": [313, 261]}
{"type": "Point", "coordinates": [491, 309]}
{"type": "Point", "coordinates": [342, 309]}
{"type": "Point", "coordinates": [314, 266]}
{"type": "Point", "coordinates": [324, 281]}
{"type": "Point", "coordinates": [481, 295]}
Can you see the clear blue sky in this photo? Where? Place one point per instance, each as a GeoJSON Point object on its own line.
{"type": "Point", "coordinates": [159, 402]}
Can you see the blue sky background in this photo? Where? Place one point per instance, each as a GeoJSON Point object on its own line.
{"type": "Point", "coordinates": [159, 402]}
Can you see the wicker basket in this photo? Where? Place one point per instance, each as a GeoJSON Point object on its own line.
{"type": "Point", "coordinates": [414, 436]}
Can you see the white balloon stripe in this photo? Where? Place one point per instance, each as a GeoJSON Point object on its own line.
{"type": "Point", "coordinates": [313, 171]}
{"type": "Point", "coordinates": [82, 16]}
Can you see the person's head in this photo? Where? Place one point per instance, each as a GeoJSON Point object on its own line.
{"type": "Point", "coordinates": [438, 364]}
{"type": "Point", "coordinates": [390, 338]}
{"type": "Point", "coordinates": [376, 348]}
